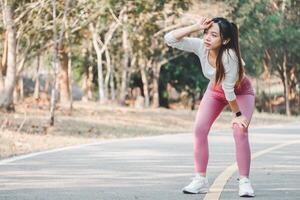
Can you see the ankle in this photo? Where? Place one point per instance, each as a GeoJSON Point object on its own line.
{"type": "Point", "coordinates": [201, 174]}
{"type": "Point", "coordinates": [241, 177]}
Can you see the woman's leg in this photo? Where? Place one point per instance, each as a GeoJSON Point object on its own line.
{"type": "Point", "coordinates": [243, 153]}
{"type": "Point", "coordinates": [209, 109]}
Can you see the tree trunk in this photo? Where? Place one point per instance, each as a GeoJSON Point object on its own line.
{"type": "Point", "coordinates": [4, 56]}
{"type": "Point", "coordinates": [16, 93]}
{"type": "Point", "coordinates": [88, 74]}
{"type": "Point", "coordinates": [6, 98]}
{"type": "Point", "coordinates": [102, 98]}
{"type": "Point", "coordinates": [21, 79]}
{"type": "Point", "coordinates": [55, 67]}
{"type": "Point", "coordinates": [47, 82]}
{"type": "Point", "coordinates": [36, 94]}
{"type": "Point", "coordinates": [85, 74]}
{"type": "Point", "coordinates": [157, 64]}
{"type": "Point", "coordinates": [59, 45]}
{"type": "Point", "coordinates": [100, 51]}
{"type": "Point", "coordinates": [112, 82]}
{"type": "Point", "coordinates": [70, 77]}
{"type": "Point", "coordinates": [67, 96]}
{"type": "Point", "coordinates": [145, 83]}
{"type": "Point", "coordinates": [267, 77]}
{"type": "Point", "coordinates": [286, 87]}
{"type": "Point", "coordinates": [124, 85]}
{"type": "Point", "coordinates": [156, 74]}
{"type": "Point", "coordinates": [108, 72]}
{"type": "Point", "coordinates": [19, 89]}
{"type": "Point", "coordinates": [64, 77]}
{"type": "Point", "coordinates": [90, 82]}
{"type": "Point", "coordinates": [21, 63]}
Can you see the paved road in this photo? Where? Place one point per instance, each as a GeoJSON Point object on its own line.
{"type": "Point", "coordinates": [155, 168]}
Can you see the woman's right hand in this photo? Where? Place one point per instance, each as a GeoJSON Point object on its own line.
{"type": "Point", "coordinates": [203, 23]}
{"type": "Point", "coordinates": [241, 121]}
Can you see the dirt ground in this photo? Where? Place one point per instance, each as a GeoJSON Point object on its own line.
{"type": "Point", "coordinates": [27, 129]}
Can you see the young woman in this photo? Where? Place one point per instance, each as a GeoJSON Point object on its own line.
{"type": "Point", "coordinates": [222, 64]}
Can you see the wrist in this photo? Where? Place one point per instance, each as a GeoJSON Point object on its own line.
{"type": "Point", "coordinates": [195, 28]}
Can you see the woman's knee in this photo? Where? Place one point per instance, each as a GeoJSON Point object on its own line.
{"type": "Point", "coordinates": [201, 131]}
{"type": "Point", "coordinates": [240, 132]}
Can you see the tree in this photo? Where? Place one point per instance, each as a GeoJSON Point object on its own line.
{"type": "Point", "coordinates": [6, 99]}
{"type": "Point", "coordinates": [185, 75]}
{"type": "Point", "coordinates": [55, 66]}
{"type": "Point", "coordinates": [268, 38]}
{"type": "Point", "coordinates": [147, 34]}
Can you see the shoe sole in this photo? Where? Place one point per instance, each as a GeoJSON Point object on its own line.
{"type": "Point", "coordinates": [247, 195]}
{"type": "Point", "coordinates": [200, 192]}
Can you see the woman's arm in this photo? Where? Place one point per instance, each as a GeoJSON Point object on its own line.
{"type": "Point", "coordinates": [201, 25]}
{"type": "Point", "coordinates": [234, 106]}
{"type": "Point", "coordinates": [177, 38]}
{"type": "Point", "coordinates": [185, 31]}
{"type": "Point", "coordinates": [231, 73]}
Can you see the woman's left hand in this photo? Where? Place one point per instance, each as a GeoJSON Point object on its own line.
{"type": "Point", "coordinates": [241, 121]}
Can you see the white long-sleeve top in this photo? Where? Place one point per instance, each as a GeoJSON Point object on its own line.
{"type": "Point", "coordinates": [229, 59]}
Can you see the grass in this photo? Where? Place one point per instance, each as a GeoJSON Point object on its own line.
{"type": "Point", "coordinates": [28, 129]}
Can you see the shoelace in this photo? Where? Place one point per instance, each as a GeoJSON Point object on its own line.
{"type": "Point", "coordinates": [247, 181]}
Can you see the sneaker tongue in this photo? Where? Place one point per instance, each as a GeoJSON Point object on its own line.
{"type": "Point", "coordinates": [198, 176]}
{"type": "Point", "coordinates": [244, 180]}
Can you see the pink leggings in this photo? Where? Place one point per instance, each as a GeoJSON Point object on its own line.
{"type": "Point", "coordinates": [210, 107]}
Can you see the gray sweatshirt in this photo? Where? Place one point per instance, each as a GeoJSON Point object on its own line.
{"type": "Point", "coordinates": [196, 46]}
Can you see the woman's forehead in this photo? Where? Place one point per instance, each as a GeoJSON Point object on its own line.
{"type": "Point", "coordinates": [214, 28]}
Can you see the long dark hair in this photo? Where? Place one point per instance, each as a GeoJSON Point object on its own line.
{"type": "Point", "coordinates": [228, 31]}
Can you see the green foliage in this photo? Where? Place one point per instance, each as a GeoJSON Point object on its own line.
{"type": "Point", "coordinates": [264, 27]}
{"type": "Point", "coordinates": [184, 74]}
{"type": "Point", "coordinates": [269, 33]}
{"type": "Point", "coordinates": [78, 69]}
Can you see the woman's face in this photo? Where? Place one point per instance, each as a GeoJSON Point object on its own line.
{"type": "Point", "coordinates": [212, 37]}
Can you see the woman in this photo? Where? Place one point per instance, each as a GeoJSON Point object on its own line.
{"type": "Point", "coordinates": [222, 64]}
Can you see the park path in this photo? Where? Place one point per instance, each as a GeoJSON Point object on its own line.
{"type": "Point", "coordinates": [155, 168]}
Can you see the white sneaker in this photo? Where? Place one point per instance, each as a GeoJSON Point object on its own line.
{"type": "Point", "coordinates": [245, 188]}
{"type": "Point", "coordinates": [198, 185]}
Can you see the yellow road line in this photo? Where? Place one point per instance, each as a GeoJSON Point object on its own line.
{"type": "Point", "coordinates": [220, 182]}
